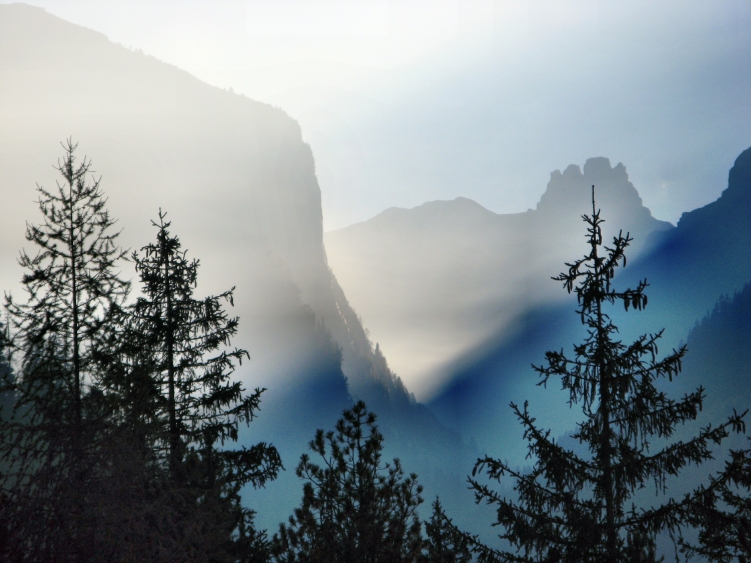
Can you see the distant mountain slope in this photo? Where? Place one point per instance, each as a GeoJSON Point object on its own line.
{"type": "Point", "coordinates": [707, 255]}
{"type": "Point", "coordinates": [240, 188]}
{"type": "Point", "coordinates": [689, 268]}
{"type": "Point", "coordinates": [435, 281]}
{"type": "Point", "coordinates": [718, 354]}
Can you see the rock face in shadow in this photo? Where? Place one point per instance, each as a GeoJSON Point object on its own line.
{"type": "Point", "coordinates": [234, 176]}
{"type": "Point", "coordinates": [238, 184]}
{"type": "Point", "coordinates": [435, 281]}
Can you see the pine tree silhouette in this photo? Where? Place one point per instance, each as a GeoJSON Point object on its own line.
{"type": "Point", "coordinates": [54, 439]}
{"type": "Point", "coordinates": [179, 386]}
{"type": "Point", "coordinates": [444, 543]}
{"type": "Point", "coordinates": [581, 508]}
{"type": "Point", "coordinates": [116, 427]}
{"type": "Point", "coordinates": [354, 509]}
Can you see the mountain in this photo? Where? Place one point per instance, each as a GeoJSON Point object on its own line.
{"type": "Point", "coordinates": [718, 355]}
{"type": "Point", "coordinates": [239, 185]}
{"type": "Point", "coordinates": [706, 256]}
{"type": "Point", "coordinates": [435, 281]}
{"type": "Point", "coordinates": [689, 269]}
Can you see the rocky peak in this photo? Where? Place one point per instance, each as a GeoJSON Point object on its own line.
{"type": "Point", "coordinates": [569, 194]}
{"type": "Point", "coordinates": [571, 189]}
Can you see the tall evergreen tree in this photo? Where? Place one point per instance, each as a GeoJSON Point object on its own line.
{"type": "Point", "coordinates": [178, 380]}
{"type": "Point", "coordinates": [354, 509]}
{"type": "Point", "coordinates": [573, 507]}
{"type": "Point", "coordinates": [53, 438]}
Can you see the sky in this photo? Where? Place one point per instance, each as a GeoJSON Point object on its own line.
{"type": "Point", "coordinates": [408, 101]}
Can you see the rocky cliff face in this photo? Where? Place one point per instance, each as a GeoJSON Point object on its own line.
{"type": "Point", "coordinates": [240, 188]}
{"type": "Point", "coordinates": [234, 175]}
{"type": "Point", "coordinates": [569, 192]}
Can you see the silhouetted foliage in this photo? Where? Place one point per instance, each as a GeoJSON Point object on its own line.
{"type": "Point", "coordinates": [574, 508]}
{"type": "Point", "coordinates": [354, 508]}
{"type": "Point", "coordinates": [444, 543]}
{"type": "Point", "coordinates": [723, 514]}
{"type": "Point", "coordinates": [55, 439]}
{"type": "Point", "coordinates": [184, 340]}
{"type": "Point", "coordinates": [175, 379]}
{"type": "Point", "coordinates": [113, 429]}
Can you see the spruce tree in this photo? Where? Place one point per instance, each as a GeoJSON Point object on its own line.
{"type": "Point", "coordinates": [354, 508]}
{"type": "Point", "coordinates": [444, 543]}
{"type": "Point", "coordinates": [182, 395]}
{"type": "Point", "coordinates": [53, 440]}
{"type": "Point", "coordinates": [573, 507]}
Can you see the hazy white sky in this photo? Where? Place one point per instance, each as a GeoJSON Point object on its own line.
{"type": "Point", "coordinates": [405, 101]}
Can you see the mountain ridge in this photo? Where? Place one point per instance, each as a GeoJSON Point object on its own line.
{"type": "Point", "coordinates": [434, 281]}
{"type": "Point", "coordinates": [688, 275]}
{"type": "Point", "coordinates": [707, 255]}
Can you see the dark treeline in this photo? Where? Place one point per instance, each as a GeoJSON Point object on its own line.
{"type": "Point", "coordinates": [118, 445]}
{"type": "Point", "coordinates": [120, 420]}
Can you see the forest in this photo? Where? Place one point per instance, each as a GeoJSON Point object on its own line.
{"type": "Point", "coordinates": [121, 422]}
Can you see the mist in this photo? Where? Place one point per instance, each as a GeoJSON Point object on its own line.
{"type": "Point", "coordinates": [389, 187]}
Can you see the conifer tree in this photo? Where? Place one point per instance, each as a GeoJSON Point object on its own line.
{"type": "Point", "coordinates": [53, 439]}
{"type": "Point", "coordinates": [354, 509]}
{"type": "Point", "coordinates": [444, 543]}
{"type": "Point", "coordinates": [179, 370]}
{"type": "Point", "coordinates": [573, 507]}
